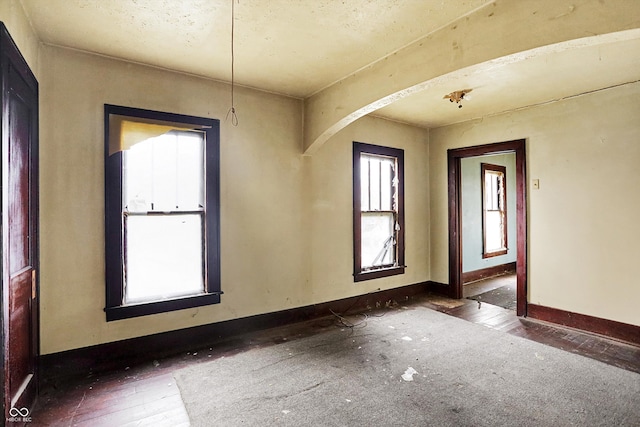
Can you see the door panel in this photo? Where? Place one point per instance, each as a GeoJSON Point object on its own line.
{"type": "Point", "coordinates": [20, 363]}
{"type": "Point", "coordinates": [19, 184]}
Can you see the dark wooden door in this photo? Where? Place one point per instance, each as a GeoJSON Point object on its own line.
{"type": "Point", "coordinates": [19, 231]}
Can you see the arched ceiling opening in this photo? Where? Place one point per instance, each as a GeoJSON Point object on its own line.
{"type": "Point", "coordinates": [541, 53]}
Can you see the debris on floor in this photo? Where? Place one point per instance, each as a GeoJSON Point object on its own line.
{"type": "Point", "coordinates": [409, 373]}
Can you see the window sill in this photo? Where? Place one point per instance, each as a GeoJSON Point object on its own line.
{"type": "Point", "coordinates": [136, 310]}
{"type": "Point", "coordinates": [376, 274]}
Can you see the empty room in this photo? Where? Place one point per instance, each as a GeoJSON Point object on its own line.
{"type": "Point", "coordinates": [320, 212]}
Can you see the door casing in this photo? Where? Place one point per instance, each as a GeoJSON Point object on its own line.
{"type": "Point", "coordinates": [455, 215]}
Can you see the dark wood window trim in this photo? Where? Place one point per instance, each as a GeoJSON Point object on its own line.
{"type": "Point", "coordinates": [486, 167]}
{"type": "Point", "coordinates": [114, 247]}
{"type": "Point", "coordinates": [384, 271]}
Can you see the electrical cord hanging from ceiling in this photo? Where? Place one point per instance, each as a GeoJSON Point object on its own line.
{"type": "Point", "coordinates": [232, 110]}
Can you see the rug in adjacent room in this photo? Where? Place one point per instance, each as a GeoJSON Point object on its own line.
{"type": "Point", "coordinates": [504, 296]}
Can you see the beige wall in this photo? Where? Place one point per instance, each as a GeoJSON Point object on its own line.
{"type": "Point", "coordinates": [261, 187]}
{"type": "Point", "coordinates": [14, 18]}
{"type": "Point", "coordinates": [330, 188]}
{"type": "Point", "coordinates": [583, 221]}
{"type": "Point", "coordinates": [276, 250]}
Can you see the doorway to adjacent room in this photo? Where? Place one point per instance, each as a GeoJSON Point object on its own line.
{"type": "Point", "coordinates": [457, 221]}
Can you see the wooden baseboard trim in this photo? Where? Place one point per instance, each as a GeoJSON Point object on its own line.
{"type": "Point", "coordinates": [483, 273]}
{"type": "Point", "coordinates": [609, 328]}
{"type": "Point", "coordinates": [440, 288]}
{"type": "Point", "coordinates": [120, 354]}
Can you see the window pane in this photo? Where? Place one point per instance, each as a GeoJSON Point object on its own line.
{"type": "Point", "coordinates": [494, 231]}
{"type": "Point", "coordinates": [377, 239]}
{"type": "Point", "coordinates": [190, 171]}
{"type": "Point", "coordinates": [164, 257]}
{"type": "Point", "coordinates": [165, 172]}
{"type": "Point", "coordinates": [364, 183]}
{"type": "Point", "coordinates": [375, 184]}
{"type": "Point", "coordinates": [494, 193]}
{"type": "Point", "coordinates": [386, 191]}
{"type": "Point", "coordinates": [138, 177]}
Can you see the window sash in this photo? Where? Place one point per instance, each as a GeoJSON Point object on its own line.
{"type": "Point", "coordinates": [377, 183]}
{"type": "Point", "coordinates": [163, 257]}
{"type": "Point", "coordinates": [165, 173]}
{"type": "Point", "coordinates": [378, 242]}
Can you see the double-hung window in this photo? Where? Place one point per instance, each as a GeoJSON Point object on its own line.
{"type": "Point", "coordinates": [494, 210]}
{"type": "Point", "coordinates": [378, 211]}
{"type": "Point", "coordinates": [161, 212]}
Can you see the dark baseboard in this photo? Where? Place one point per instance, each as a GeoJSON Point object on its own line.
{"type": "Point", "coordinates": [609, 328]}
{"type": "Point", "coordinates": [440, 288]}
{"type": "Point", "coordinates": [483, 273]}
{"type": "Point", "coordinates": [116, 355]}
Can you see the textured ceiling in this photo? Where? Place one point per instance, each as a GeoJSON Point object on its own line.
{"type": "Point", "coordinates": [300, 47]}
{"type": "Point", "coordinates": [293, 47]}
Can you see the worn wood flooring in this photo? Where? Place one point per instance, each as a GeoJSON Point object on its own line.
{"type": "Point", "coordinates": [147, 395]}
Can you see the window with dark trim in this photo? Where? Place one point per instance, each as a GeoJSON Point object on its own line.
{"type": "Point", "coordinates": [494, 210]}
{"type": "Point", "coordinates": [162, 212]}
{"type": "Point", "coordinates": [378, 211]}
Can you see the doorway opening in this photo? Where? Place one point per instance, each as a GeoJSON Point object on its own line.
{"type": "Point", "coordinates": [455, 157]}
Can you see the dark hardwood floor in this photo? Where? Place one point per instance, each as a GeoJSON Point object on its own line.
{"type": "Point", "coordinates": [147, 395]}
